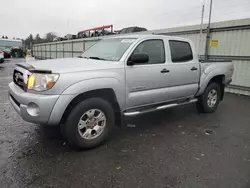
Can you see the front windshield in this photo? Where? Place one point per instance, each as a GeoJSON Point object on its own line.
{"type": "Point", "coordinates": [109, 49]}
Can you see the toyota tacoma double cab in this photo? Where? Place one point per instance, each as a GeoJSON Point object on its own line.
{"type": "Point", "coordinates": [117, 77]}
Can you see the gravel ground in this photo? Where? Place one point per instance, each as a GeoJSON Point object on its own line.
{"type": "Point", "coordinates": [172, 148]}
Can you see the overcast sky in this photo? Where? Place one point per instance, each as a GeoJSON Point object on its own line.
{"type": "Point", "coordinates": [19, 18]}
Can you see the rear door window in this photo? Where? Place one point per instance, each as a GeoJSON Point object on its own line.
{"type": "Point", "coordinates": [181, 51]}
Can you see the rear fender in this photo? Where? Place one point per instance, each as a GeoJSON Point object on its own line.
{"type": "Point", "coordinates": [206, 78]}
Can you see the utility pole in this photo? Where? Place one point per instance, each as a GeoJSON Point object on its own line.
{"type": "Point", "coordinates": [208, 32]}
{"type": "Point", "coordinates": [200, 37]}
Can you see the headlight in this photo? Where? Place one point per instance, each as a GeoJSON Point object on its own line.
{"type": "Point", "coordinates": [42, 82]}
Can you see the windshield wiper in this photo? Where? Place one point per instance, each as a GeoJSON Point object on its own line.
{"type": "Point", "coordinates": [98, 58]}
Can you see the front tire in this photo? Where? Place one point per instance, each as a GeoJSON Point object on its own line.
{"type": "Point", "coordinates": [209, 100]}
{"type": "Point", "coordinates": [89, 123]}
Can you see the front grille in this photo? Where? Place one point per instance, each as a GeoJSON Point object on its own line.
{"type": "Point", "coordinates": [18, 79]}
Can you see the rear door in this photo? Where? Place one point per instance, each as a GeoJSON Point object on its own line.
{"type": "Point", "coordinates": [184, 70]}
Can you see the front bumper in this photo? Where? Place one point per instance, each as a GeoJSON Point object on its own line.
{"type": "Point", "coordinates": [35, 108]}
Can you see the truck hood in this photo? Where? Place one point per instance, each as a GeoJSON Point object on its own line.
{"type": "Point", "coordinates": [66, 65]}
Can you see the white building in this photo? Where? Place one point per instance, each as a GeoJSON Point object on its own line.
{"type": "Point", "coordinates": [10, 43]}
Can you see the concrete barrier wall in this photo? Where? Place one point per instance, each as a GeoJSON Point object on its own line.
{"type": "Point", "coordinates": [233, 44]}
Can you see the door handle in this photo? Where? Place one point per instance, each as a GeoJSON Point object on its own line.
{"type": "Point", "coordinates": [193, 69]}
{"type": "Point", "coordinates": [164, 71]}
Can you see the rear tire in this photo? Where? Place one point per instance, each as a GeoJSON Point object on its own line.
{"type": "Point", "coordinates": [89, 123]}
{"type": "Point", "coordinates": [209, 100]}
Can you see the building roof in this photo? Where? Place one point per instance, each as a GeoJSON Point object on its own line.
{"type": "Point", "coordinates": [15, 40]}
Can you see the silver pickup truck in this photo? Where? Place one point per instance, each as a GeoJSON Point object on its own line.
{"type": "Point", "coordinates": [119, 76]}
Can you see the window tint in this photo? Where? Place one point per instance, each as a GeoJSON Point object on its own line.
{"type": "Point", "coordinates": [154, 49]}
{"type": "Point", "coordinates": [180, 51]}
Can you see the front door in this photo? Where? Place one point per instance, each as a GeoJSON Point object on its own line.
{"type": "Point", "coordinates": [147, 82]}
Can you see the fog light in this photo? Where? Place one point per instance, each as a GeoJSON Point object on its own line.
{"type": "Point", "coordinates": [33, 109]}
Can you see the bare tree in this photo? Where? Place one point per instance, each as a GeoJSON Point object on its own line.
{"type": "Point", "coordinates": [49, 37]}
{"type": "Point", "coordinates": [37, 39]}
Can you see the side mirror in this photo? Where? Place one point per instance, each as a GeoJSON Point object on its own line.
{"type": "Point", "coordinates": [138, 59]}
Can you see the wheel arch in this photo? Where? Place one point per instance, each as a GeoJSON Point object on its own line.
{"type": "Point", "coordinates": [106, 94]}
{"type": "Point", "coordinates": [219, 78]}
